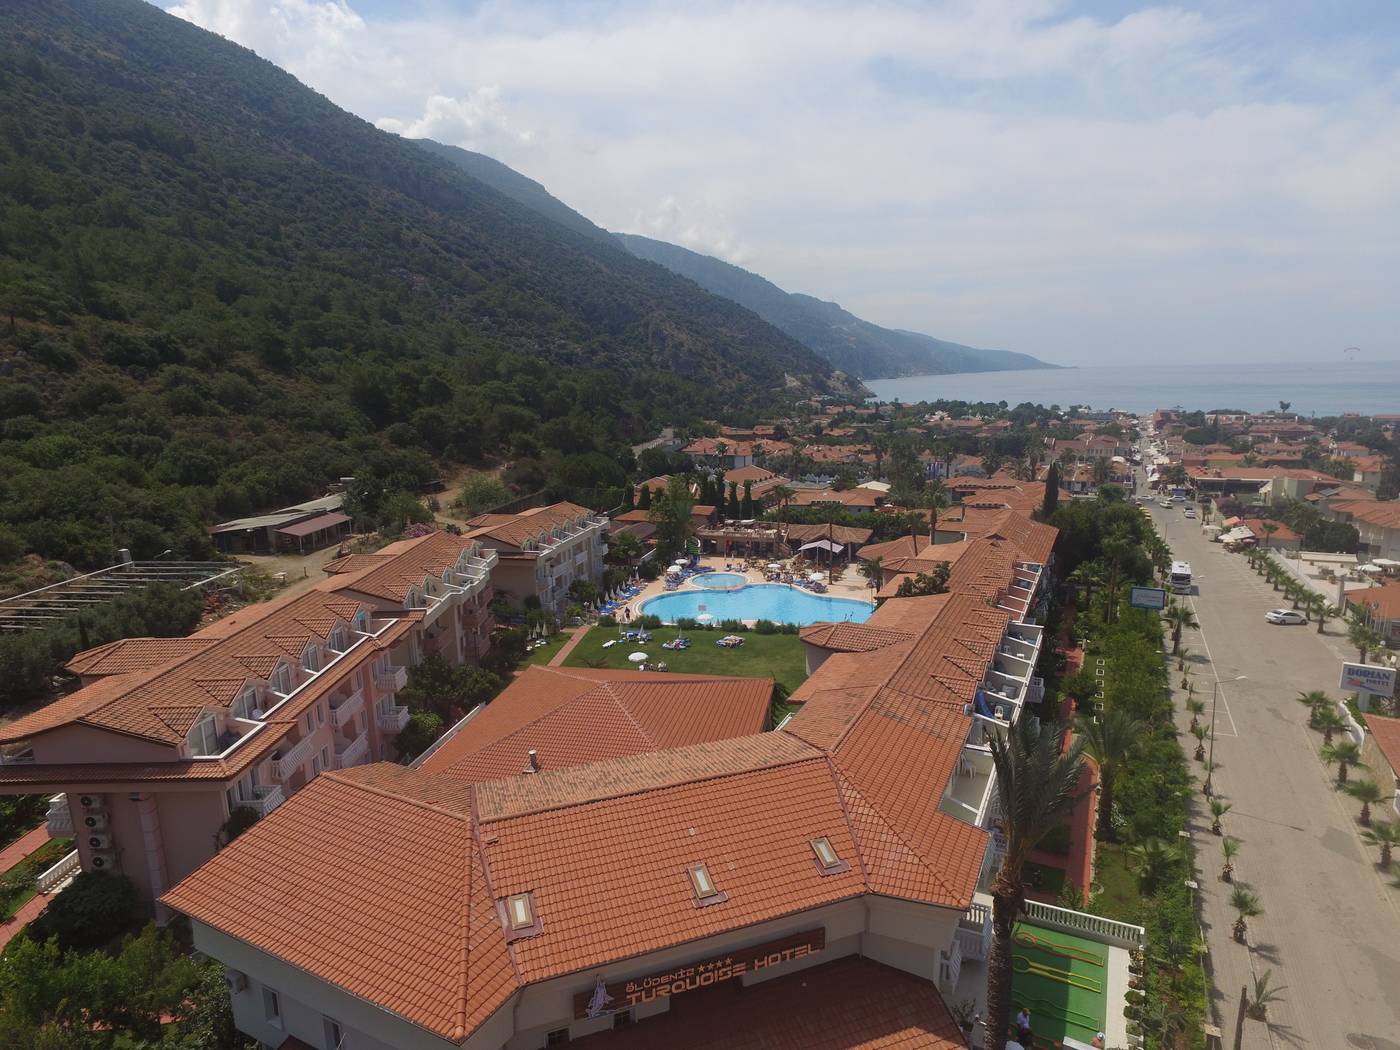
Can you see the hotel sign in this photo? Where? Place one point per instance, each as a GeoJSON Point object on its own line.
{"type": "Point", "coordinates": [607, 998]}
{"type": "Point", "coordinates": [1147, 598]}
{"type": "Point", "coordinates": [1369, 678]}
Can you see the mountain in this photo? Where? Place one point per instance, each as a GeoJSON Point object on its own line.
{"type": "Point", "coordinates": [517, 187]}
{"type": "Point", "coordinates": [855, 346]}
{"type": "Point", "coordinates": [219, 293]}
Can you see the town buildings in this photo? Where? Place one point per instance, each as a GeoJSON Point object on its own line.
{"type": "Point", "coordinates": [625, 860]}
{"type": "Point", "coordinates": [542, 551]}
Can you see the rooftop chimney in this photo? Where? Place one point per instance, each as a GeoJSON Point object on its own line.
{"type": "Point", "coordinates": [532, 761]}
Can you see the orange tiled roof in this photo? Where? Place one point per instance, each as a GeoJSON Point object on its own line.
{"type": "Point", "coordinates": [851, 637]}
{"type": "Point", "coordinates": [515, 530]}
{"type": "Point", "coordinates": [393, 571]}
{"type": "Point", "coordinates": [1386, 732]}
{"type": "Point", "coordinates": [572, 716]}
{"type": "Point", "coordinates": [133, 654]}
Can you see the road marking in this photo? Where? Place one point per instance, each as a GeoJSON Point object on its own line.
{"type": "Point", "coordinates": [1219, 684]}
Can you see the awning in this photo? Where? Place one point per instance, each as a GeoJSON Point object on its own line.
{"type": "Point", "coordinates": [310, 525]}
{"type": "Point", "coordinates": [824, 545]}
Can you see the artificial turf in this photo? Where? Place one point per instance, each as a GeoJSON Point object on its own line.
{"type": "Point", "coordinates": [1058, 1007]}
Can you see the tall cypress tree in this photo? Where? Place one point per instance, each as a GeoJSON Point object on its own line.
{"type": "Point", "coordinates": [644, 499]}
{"type": "Point", "coordinates": [748, 500]}
{"type": "Point", "coordinates": [1052, 491]}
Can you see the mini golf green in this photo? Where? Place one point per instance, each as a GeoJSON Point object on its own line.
{"type": "Point", "coordinates": [1063, 979]}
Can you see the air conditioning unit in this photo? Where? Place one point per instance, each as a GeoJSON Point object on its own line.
{"type": "Point", "coordinates": [236, 980]}
{"type": "Point", "coordinates": [90, 803]}
{"type": "Point", "coordinates": [99, 841]}
{"type": "Point", "coordinates": [104, 860]}
{"type": "Point", "coordinates": [95, 822]}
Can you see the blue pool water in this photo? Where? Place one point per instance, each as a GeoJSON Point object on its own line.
{"type": "Point", "coordinates": [719, 580]}
{"type": "Point", "coordinates": [761, 601]}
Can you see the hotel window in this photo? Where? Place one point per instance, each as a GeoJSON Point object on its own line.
{"type": "Point", "coordinates": [326, 757]}
{"type": "Point", "coordinates": [558, 1037]}
{"type": "Point", "coordinates": [310, 723]}
{"type": "Point", "coordinates": [246, 703]}
{"type": "Point", "coordinates": [320, 714]}
{"type": "Point", "coordinates": [362, 620]}
{"type": "Point", "coordinates": [282, 680]}
{"type": "Point", "coordinates": [272, 1007]}
{"type": "Point", "coordinates": [337, 640]}
{"type": "Point", "coordinates": [335, 1035]}
{"type": "Point", "coordinates": [204, 737]}
{"type": "Point", "coordinates": [315, 765]}
{"type": "Point", "coordinates": [311, 659]}
{"type": "Point", "coordinates": [622, 1018]}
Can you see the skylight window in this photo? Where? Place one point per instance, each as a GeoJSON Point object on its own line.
{"type": "Point", "coordinates": [829, 862]}
{"type": "Point", "coordinates": [706, 892]}
{"type": "Point", "coordinates": [521, 911]}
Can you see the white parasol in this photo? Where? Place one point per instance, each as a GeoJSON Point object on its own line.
{"type": "Point", "coordinates": [637, 658]}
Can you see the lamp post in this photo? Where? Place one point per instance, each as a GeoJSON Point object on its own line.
{"type": "Point", "coordinates": [1214, 703]}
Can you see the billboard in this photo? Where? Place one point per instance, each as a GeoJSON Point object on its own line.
{"type": "Point", "coordinates": [1147, 598]}
{"type": "Point", "coordinates": [1369, 678]}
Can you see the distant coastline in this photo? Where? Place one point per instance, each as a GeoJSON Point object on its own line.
{"type": "Point", "coordinates": [1312, 388]}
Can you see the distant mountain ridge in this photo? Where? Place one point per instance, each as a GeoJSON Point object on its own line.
{"type": "Point", "coordinates": [853, 345]}
{"type": "Point", "coordinates": [857, 347]}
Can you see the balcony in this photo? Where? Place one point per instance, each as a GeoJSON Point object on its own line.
{"type": "Point", "coordinates": [266, 798]}
{"type": "Point", "coordinates": [391, 680]}
{"type": "Point", "coordinates": [60, 817]}
{"type": "Point", "coordinates": [354, 754]}
{"type": "Point", "coordinates": [56, 877]}
{"type": "Point", "coordinates": [291, 760]}
{"type": "Point", "coordinates": [970, 787]}
{"type": "Point", "coordinates": [393, 719]}
{"type": "Point", "coordinates": [348, 709]}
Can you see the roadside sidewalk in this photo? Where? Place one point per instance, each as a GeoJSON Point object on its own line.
{"type": "Point", "coordinates": [22, 847]}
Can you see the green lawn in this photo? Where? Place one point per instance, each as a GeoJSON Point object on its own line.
{"type": "Point", "coordinates": [546, 653]}
{"type": "Point", "coordinates": [1063, 979]}
{"type": "Point", "coordinates": [1116, 893]}
{"type": "Point", "coordinates": [777, 656]}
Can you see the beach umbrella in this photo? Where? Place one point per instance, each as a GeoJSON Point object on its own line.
{"type": "Point", "coordinates": [774, 566]}
{"type": "Point", "coordinates": [637, 658]}
{"type": "Point", "coordinates": [704, 618]}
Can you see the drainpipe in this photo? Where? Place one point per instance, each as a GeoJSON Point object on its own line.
{"type": "Point", "coordinates": [154, 845]}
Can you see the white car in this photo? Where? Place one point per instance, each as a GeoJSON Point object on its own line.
{"type": "Point", "coordinates": [1165, 504]}
{"type": "Point", "coordinates": [1285, 616]}
{"type": "Point", "coordinates": [1189, 512]}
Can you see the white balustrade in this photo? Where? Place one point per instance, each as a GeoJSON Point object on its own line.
{"type": "Point", "coordinates": [393, 719]}
{"type": "Point", "coordinates": [293, 759]}
{"type": "Point", "coordinates": [1111, 930]}
{"type": "Point", "coordinates": [392, 680]}
{"type": "Point", "coordinates": [266, 798]}
{"type": "Point", "coordinates": [353, 755]}
{"type": "Point", "coordinates": [60, 818]}
{"type": "Point", "coordinates": [60, 873]}
{"type": "Point", "coordinates": [950, 966]}
{"type": "Point", "coordinates": [348, 709]}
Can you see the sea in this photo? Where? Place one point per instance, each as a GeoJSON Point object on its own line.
{"type": "Point", "coordinates": [1317, 389]}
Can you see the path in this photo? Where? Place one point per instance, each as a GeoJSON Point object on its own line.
{"type": "Point", "coordinates": [1331, 927]}
{"type": "Point", "coordinates": [23, 846]}
{"type": "Point", "coordinates": [569, 646]}
{"type": "Point", "coordinates": [27, 913]}
{"type": "Point", "coordinates": [31, 909]}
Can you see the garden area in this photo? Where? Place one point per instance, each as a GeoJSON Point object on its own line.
{"type": "Point", "coordinates": [778, 656]}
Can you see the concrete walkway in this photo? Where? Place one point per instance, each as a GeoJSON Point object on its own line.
{"type": "Point", "coordinates": [564, 650]}
{"type": "Point", "coordinates": [22, 847]}
{"type": "Point", "coordinates": [1330, 930]}
{"type": "Point", "coordinates": [27, 913]}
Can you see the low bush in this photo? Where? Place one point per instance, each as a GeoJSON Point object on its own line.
{"type": "Point", "coordinates": [96, 909]}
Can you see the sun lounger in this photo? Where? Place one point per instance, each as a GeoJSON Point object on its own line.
{"type": "Point", "coordinates": [609, 643]}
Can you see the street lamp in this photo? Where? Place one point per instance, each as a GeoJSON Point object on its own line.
{"type": "Point", "coordinates": [1214, 703]}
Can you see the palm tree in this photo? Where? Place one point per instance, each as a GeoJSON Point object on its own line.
{"type": "Point", "coordinates": [934, 499]}
{"type": "Point", "coordinates": [1086, 577]}
{"type": "Point", "coordinates": [1325, 611]}
{"type": "Point", "coordinates": [1257, 1004]}
{"type": "Point", "coordinates": [1327, 721]}
{"type": "Point", "coordinates": [1196, 708]}
{"type": "Point", "coordinates": [1344, 755]}
{"type": "Point", "coordinates": [1149, 860]}
{"type": "Point", "coordinates": [1180, 618]}
{"type": "Point", "coordinates": [1368, 793]}
{"type": "Point", "coordinates": [1228, 849]}
{"type": "Point", "coordinates": [1362, 635]}
{"type": "Point", "coordinates": [1246, 905]}
{"type": "Point", "coordinates": [1386, 835]}
{"type": "Point", "coordinates": [1314, 700]}
{"type": "Point", "coordinates": [1109, 741]}
{"type": "Point", "coordinates": [1182, 655]}
{"type": "Point", "coordinates": [1199, 732]}
{"type": "Point", "coordinates": [1036, 784]}
{"type": "Point", "coordinates": [1218, 809]}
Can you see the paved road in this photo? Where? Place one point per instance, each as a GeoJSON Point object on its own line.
{"type": "Point", "coordinates": [1331, 928]}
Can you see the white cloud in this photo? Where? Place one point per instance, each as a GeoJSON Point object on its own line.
{"type": "Point", "coordinates": [1017, 173]}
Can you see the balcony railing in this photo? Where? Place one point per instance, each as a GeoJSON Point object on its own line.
{"type": "Point", "coordinates": [393, 720]}
{"type": "Point", "coordinates": [60, 873]}
{"type": "Point", "coordinates": [292, 760]}
{"type": "Point", "coordinates": [353, 755]}
{"type": "Point", "coordinates": [349, 707]}
{"type": "Point", "coordinates": [1124, 934]}
{"type": "Point", "coordinates": [266, 798]}
{"type": "Point", "coordinates": [392, 680]}
{"type": "Point", "coordinates": [60, 818]}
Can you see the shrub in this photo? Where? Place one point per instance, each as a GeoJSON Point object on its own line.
{"type": "Point", "coordinates": [91, 912]}
{"type": "Point", "coordinates": [423, 729]}
{"type": "Point", "coordinates": [687, 623]}
{"type": "Point", "coordinates": [765, 627]}
{"type": "Point", "coordinates": [648, 621]}
{"type": "Point", "coordinates": [732, 625]}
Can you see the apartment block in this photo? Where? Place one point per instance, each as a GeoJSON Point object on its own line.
{"type": "Point", "coordinates": [542, 551]}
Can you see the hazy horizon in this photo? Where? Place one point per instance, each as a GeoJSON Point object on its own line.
{"type": "Point", "coordinates": [1089, 183]}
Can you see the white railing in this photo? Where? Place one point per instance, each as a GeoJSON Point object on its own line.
{"type": "Point", "coordinates": [60, 818]}
{"type": "Point", "coordinates": [266, 798]}
{"type": "Point", "coordinates": [393, 720]}
{"type": "Point", "coordinates": [289, 763]}
{"type": "Point", "coordinates": [1111, 930]}
{"type": "Point", "coordinates": [354, 754]}
{"type": "Point", "coordinates": [60, 873]}
{"type": "Point", "coordinates": [348, 709]}
{"type": "Point", "coordinates": [392, 680]}
{"type": "Point", "coordinates": [973, 944]}
{"type": "Point", "coordinates": [950, 966]}
{"type": "Point", "coordinates": [1355, 730]}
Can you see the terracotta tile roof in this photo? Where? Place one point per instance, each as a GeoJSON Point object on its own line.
{"type": "Point", "coordinates": [1385, 515]}
{"type": "Point", "coordinates": [571, 718]}
{"type": "Point", "coordinates": [516, 530]}
{"type": "Point", "coordinates": [1385, 599]}
{"type": "Point", "coordinates": [836, 533]}
{"type": "Point", "coordinates": [753, 473]}
{"type": "Point", "coordinates": [133, 654]}
{"type": "Point", "coordinates": [851, 637]}
{"type": "Point", "coordinates": [1386, 732]}
{"type": "Point", "coordinates": [362, 830]}
{"type": "Point", "coordinates": [392, 575]}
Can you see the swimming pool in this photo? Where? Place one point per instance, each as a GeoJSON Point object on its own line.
{"type": "Point", "coordinates": [761, 601]}
{"type": "Point", "coordinates": [720, 580]}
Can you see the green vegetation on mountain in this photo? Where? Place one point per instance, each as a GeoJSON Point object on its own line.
{"type": "Point", "coordinates": [851, 344]}
{"type": "Point", "coordinates": [220, 293]}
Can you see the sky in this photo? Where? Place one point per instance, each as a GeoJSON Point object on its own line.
{"type": "Point", "coordinates": [1103, 182]}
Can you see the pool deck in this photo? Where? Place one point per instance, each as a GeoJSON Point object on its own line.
{"type": "Point", "coordinates": [851, 584]}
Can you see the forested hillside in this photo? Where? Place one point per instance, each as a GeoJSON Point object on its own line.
{"type": "Point", "coordinates": [219, 292]}
{"type": "Point", "coordinates": [848, 342]}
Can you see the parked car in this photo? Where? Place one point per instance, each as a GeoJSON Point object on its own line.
{"type": "Point", "coordinates": [1189, 512]}
{"type": "Point", "coordinates": [1285, 616]}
